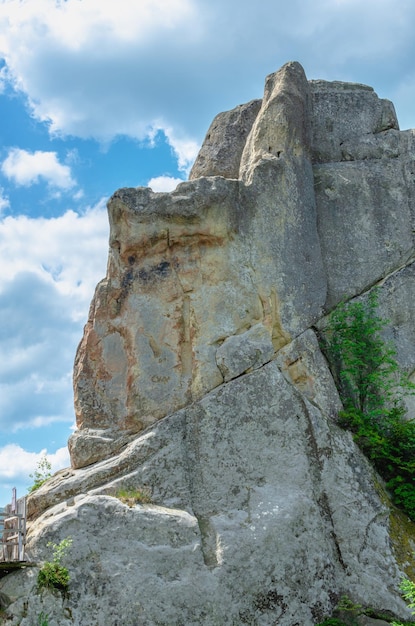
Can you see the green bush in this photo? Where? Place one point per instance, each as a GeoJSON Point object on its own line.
{"type": "Point", "coordinates": [372, 389]}
{"type": "Point", "coordinates": [53, 575]}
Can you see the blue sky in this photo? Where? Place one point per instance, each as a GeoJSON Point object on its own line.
{"type": "Point", "coordinates": [97, 95]}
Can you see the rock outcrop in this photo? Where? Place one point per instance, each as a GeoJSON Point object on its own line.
{"type": "Point", "coordinates": [200, 379]}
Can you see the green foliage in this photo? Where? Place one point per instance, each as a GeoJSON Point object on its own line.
{"type": "Point", "coordinates": [134, 496]}
{"type": "Point", "coordinates": [345, 613]}
{"type": "Point", "coordinates": [53, 574]}
{"type": "Point", "coordinates": [408, 593]}
{"type": "Point", "coordinates": [367, 372]}
{"type": "Point", "coordinates": [372, 390]}
{"type": "Point", "coordinates": [41, 474]}
{"type": "Point", "coordinates": [345, 604]}
{"type": "Point", "coordinates": [60, 550]}
{"type": "Point", "coordinates": [43, 619]}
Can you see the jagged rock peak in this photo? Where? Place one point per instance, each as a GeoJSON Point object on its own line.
{"type": "Point", "coordinates": [323, 115]}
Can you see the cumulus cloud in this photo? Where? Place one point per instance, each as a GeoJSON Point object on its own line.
{"type": "Point", "coordinates": [67, 252]}
{"type": "Point", "coordinates": [17, 463]}
{"type": "Point", "coordinates": [97, 69]}
{"type": "Point", "coordinates": [164, 183]}
{"type": "Point", "coordinates": [184, 148]}
{"type": "Point", "coordinates": [26, 168]}
{"type": "Point", "coordinates": [86, 66]}
{"type": "Point", "coordinates": [49, 271]}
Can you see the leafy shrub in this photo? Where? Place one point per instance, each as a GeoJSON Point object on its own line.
{"type": "Point", "coordinates": [372, 390]}
{"type": "Point", "coordinates": [408, 593]}
{"type": "Point", "coordinates": [53, 575]}
{"type": "Point", "coordinates": [41, 474]}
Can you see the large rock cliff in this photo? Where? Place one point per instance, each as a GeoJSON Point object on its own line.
{"type": "Point", "coordinates": [200, 379]}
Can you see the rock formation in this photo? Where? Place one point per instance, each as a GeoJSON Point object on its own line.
{"type": "Point", "coordinates": [200, 378]}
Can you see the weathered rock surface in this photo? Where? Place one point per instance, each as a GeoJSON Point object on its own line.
{"type": "Point", "coordinates": [323, 209]}
{"type": "Point", "coordinates": [200, 379]}
{"type": "Point", "coordinates": [241, 353]}
{"type": "Point", "coordinates": [224, 143]}
{"type": "Point", "coordinates": [346, 114]}
{"type": "Point", "coordinates": [190, 269]}
{"type": "Point", "coordinates": [251, 522]}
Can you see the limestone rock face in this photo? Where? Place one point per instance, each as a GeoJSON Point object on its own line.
{"type": "Point", "coordinates": [191, 269]}
{"type": "Point", "coordinates": [150, 342]}
{"type": "Point", "coordinates": [200, 380]}
{"type": "Point", "coordinates": [224, 143]}
{"type": "Point", "coordinates": [268, 481]}
{"type": "Point", "coordinates": [254, 504]}
{"type": "Point", "coordinates": [345, 115]}
{"type": "Point", "coordinates": [244, 352]}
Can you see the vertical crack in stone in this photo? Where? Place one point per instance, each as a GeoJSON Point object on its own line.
{"type": "Point", "coordinates": [321, 499]}
{"type": "Point", "coordinates": [279, 336]}
{"type": "Point", "coordinates": [186, 345]}
{"type": "Point", "coordinates": [210, 542]}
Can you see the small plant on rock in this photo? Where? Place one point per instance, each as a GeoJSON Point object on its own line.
{"type": "Point", "coordinates": [131, 497]}
{"type": "Point", "coordinates": [53, 575]}
{"type": "Point", "coordinates": [43, 619]}
{"type": "Point", "coordinates": [41, 473]}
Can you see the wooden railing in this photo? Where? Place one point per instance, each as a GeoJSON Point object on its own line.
{"type": "Point", "coordinates": [13, 530]}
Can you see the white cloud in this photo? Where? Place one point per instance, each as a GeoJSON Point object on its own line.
{"type": "Point", "coordinates": [164, 183]}
{"type": "Point", "coordinates": [73, 24]}
{"type": "Point", "coordinates": [50, 268]}
{"type": "Point", "coordinates": [104, 69]}
{"type": "Point", "coordinates": [78, 61]}
{"type": "Point", "coordinates": [4, 201]}
{"type": "Point", "coordinates": [17, 463]}
{"type": "Point", "coordinates": [184, 148]}
{"type": "Point", "coordinates": [27, 168]}
{"type": "Point", "coordinates": [68, 252]}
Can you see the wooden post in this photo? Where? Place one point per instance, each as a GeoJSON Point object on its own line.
{"type": "Point", "coordinates": [14, 530]}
